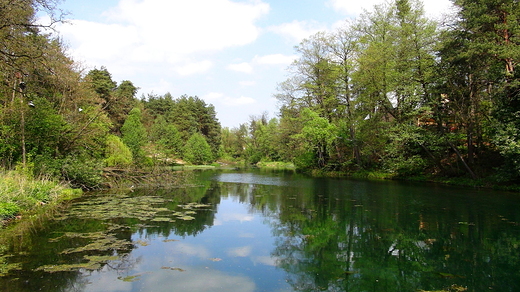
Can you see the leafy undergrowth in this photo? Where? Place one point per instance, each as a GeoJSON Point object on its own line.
{"type": "Point", "coordinates": [20, 193]}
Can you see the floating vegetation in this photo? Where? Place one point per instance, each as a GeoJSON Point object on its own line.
{"type": "Point", "coordinates": [6, 267]}
{"type": "Point", "coordinates": [452, 288]}
{"type": "Point", "coordinates": [162, 219]}
{"type": "Point", "coordinates": [92, 263]}
{"type": "Point", "coordinates": [108, 243]}
{"type": "Point", "coordinates": [111, 212]}
{"type": "Point", "coordinates": [194, 206]}
{"type": "Point", "coordinates": [116, 206]}
{"type": "Point", "coordinates": [142, 243]}
{"type": "Point", "coordinates": [91, 266]}
{"type": "Point", "coordinates": [89, 235]}
{"type": "Point", "coordinates": [170, 240]}
{"type": "Point", "coordinates": [143, 208]}
{"type": "Point", "coordinates": [130, 278]}
{"type": "Point", "coordinates": [173, 269]}
{"type": "Point", "coordinates": [101, 258]}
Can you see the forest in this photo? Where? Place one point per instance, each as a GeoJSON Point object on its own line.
{"type": "Point", "coordinates": [391, 91]}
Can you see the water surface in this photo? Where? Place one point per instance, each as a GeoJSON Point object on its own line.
{"type": "Point", "coordinates": [273, 231]}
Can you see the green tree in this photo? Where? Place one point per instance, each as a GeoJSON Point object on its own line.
{"type": "Point", "coordinates": [317, 137]}
{"type": "Point", "coordinates": [190, 115]}
{"type": "Point", "coordinates": [197, 150]}
{"type": "Point", "coordinates": [134, 134]}
{"type": "Point", "coordinates": [477, 73]}
{"type": "Point", "coordinates": [235, 142]}
{"type": "Point", "coordinates": [117, 100]}
{"type": "Point", "coordinates": [166, 136]}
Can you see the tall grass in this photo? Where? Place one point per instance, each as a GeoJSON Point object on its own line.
{"type": "Point", "coordinates": [20, 192]}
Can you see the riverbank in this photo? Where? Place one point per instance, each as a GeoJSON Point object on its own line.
{"type": "Point", "coordinates": [21, 194]}
{"type": "Point", "coordinates": [488, 183]}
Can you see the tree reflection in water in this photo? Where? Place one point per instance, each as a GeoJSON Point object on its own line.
{"type": "Point", "coordinates": [326, 235]}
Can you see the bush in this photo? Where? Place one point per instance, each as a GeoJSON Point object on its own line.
{"type": "Point", "coordinates": [134, 134]}
{"type": "Point", "coordinates": [117, 153]}
{"type": "Point", "coordinates": [197, 150]}
{"type": "Point", "coordinates": [83, 172]}
{"type": "Point", "coordinates": [305, 161]}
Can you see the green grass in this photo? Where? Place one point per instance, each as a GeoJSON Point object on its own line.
{"type": "Point", "coordinates": [275, 164]}
{"type": "Point", "coordinates": [19, 193]}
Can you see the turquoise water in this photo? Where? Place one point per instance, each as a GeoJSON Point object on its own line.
{"type": "Point", "coordinates": [274, 231]}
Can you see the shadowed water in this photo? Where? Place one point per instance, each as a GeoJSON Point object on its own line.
{"type": "Point", "coordinates": [273, 231]}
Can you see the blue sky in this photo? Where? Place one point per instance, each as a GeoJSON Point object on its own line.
{"type": "Point", "coordinates": [231, 53]}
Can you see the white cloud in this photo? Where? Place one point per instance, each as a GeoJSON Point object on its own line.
{"type": "Point", "coordinates": [237, 217]}
{"type": "Point", "coordinates": [243, 100]}
{"type": "Point", "coordinates": [296, 31]}
{"type": "Point", "coordinates": [197, 279]}
{"type": "Point", "coordinates": [194, 68]}
{"type": "Point", "coordinates": [216, 97]}
{"type": "Point", "coordinates": [266, 260]}
{"type": "Point", "coordinates": [247, 83]}
{"type": "Point", "coordinates": [275, 59]}
{"type": "Point", "coordinates": [243, 251]}
{"type": "Point", "coordinates": [163, 31]}
{"type": "Point", "coordinates": [95, 41]}
{"type": "Point", "coordinates": [241, 67]}
{"type": "Point", "coordinates": [213, 96]}
{"type": "Point", "coordinates": [187, 249]}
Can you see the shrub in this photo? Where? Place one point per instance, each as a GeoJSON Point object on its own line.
{"type": "Point", "coordinates": [83, 172]}
{"type": "Point", "coordinates": [117, 153]}
{"type": "Point", "coordinates": [197, 150]}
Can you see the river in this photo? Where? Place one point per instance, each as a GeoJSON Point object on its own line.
{"type": "Point", "coordinates": [245, 231]}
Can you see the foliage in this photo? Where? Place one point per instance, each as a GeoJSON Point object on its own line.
{"type": "Point", "coordinates": [134, 134]}
{"type": "Point", "coordinates": [19, 193]}
{"type": "Point", "coordinates": [389, 91]}
{"type": "Point", "coordinates": [317, 136]}
{"type": "Point", "coordinates": [117, 153]}
{"type": "Point", "coordinates": [188, 114]}
{"type": "Point", "coordinates": [83, 172]}
{"type": "Point", "coordinates": [166, 136]}
{"type": "Point", "coordinates": [118, 100]}
{"type": "Point", "coordinates": [197, 150]}
{"type": "Point", "coordinates": [394, 91]}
